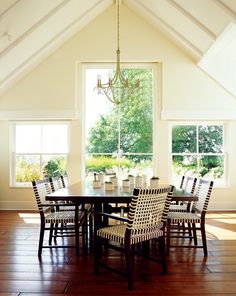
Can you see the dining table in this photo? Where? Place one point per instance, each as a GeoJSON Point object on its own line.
{"type": "Point", "coordinates": [82, 193]}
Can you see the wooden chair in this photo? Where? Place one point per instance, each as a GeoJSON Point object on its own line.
{"type": "Point", "coordinates": [144, 223]}
{"type": "Point", "coordinates": [194, 219]}
{"type": "Point", "coordinates": [58, 223]}
{"type": "Point", "coordinates": [188, 184]}
{"type": "Point", "coordinates": [62, 182]}
{"type": "Point", "coordinates": [57, 183]}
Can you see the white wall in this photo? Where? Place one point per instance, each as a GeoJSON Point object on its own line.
{"type": "Point", "coordinates": [54, 88]}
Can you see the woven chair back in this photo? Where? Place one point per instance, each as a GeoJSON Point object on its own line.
{"type": "Point", "coordinates": [203, 193]}
{"type": "Point", "coordinates": [146, 210]}
{"type": "Point", "coordinates": [56, 183]}
{"type": "Point", "coordinates": [41, 189]}
{"type": "Point", "coordinates": [190, 184]}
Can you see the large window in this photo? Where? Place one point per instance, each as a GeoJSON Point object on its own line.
{"type": "Point", "coordinates": [119, 138]}
{"type": "Point", "coordinates": [38, 150]}
{"type": "Point", "coordinates": [198, 150]}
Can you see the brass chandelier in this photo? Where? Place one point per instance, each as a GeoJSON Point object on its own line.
{"type": "Point", "coordinates": [118, 89]}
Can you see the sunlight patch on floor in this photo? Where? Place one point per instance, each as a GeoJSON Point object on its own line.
{"type": "Point", "coordinates": [30, 218]}
{"type": "Point", "coordinates": [221, 233]}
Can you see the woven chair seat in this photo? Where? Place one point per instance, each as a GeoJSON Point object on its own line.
{"type": "Point", "coordinates": [60, 217]}
{"type": "Point", "coordinates": [117, 233]}
{"type": "Point", "coordinates": [183, 217]}
{"type": "Point", "coordinates": [67, 208]}
{"type": "Point", "coordinates": [178, 208]}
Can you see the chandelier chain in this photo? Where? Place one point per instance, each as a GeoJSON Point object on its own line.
{"type": "Point", "coordinates": [118, 89]}
{"type": "Point", "coordinates": [118, 25]}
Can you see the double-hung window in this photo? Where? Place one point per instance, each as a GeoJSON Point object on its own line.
{"type": "Point", "coordinates": [119, 138]}
{"type": "Point", "coordinates": [199, 150]}
{"type": "Point", "coordinates": [38, 150]}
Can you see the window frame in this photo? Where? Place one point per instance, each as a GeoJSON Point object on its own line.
{"type": "Point", "coordinates": [135, 65]}
{"type": "Point", "coordinates": [13, 153]}
{"type": "Point", "coordinates": [224, 182]}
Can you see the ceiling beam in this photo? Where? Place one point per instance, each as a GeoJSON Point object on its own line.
{"type": "Point", "coordinates": [192, 19]}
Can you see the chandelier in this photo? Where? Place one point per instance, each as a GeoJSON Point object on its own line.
{"type": "Point", "coordinates": [118, 88]}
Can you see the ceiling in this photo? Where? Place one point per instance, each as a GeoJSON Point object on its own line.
{"type": "Point", "coordinates": [30, 30]}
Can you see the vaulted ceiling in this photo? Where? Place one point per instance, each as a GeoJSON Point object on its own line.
{"type": "Point", "coordinates": [30, 30]}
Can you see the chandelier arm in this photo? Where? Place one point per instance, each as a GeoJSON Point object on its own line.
{"type": "Point", "coordinates": [118, 89]}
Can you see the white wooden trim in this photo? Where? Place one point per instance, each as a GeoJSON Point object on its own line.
{"type": "Point", "coordinates": [198, 115]}
{"type": "Point", "coordinates": [38, 114]}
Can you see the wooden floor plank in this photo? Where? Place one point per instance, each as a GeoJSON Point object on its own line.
{"type": "Point", "coordinates": [60, 272]}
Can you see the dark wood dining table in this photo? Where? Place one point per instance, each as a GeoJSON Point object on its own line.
{"type": "Point", "coordinates": [84, 193]}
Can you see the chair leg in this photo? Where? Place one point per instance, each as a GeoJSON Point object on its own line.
{"type": "Point", "coordinates": [161, 245]}
{"type": "Point", "coordinates": [204, 241]}
{"type": "Point", "coordinates": [129, 266]}
{"type": "Point", "coordinates": [41, 236]}
{"type": "Point", "coordinates": [91, 230]}
{"type": "Point", "coordinates": [194, 234]}
{"type": "Point", "coordinates": [51, 233]}
{"type": "Point", "coordinates": [189, 231]}
{"type": "Point", "coordinates": [55, 231]}
{"type": "Point", "coordinates": [77, 229]}
{"type": "Point", "coordinates": [168, 229]}
{"type": "Point", "coordinates": [97, 252]}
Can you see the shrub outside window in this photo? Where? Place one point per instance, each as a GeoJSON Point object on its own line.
{"type": "Point", "coordinates": [39, 150]}
{"type": "Point", "coordinates": [198, 150]}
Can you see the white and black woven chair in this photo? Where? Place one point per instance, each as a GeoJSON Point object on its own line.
{"type": "Point", "coordinates": [62, 182]}
{"type": "Point", "coordinates": [58, 183]}
{"type": "Point", "coordinates": [58, 223]}
{"type": "Point", "coordinates": [188, 184]}
{"type": "Point", "coordinates": [195, 221]}
{"type": "Point", "coordinates": [144, 223]}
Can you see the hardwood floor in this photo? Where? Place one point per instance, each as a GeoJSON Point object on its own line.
{"type": "Point", "coordinates": [61, 272]}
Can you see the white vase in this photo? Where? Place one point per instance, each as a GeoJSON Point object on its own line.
{"type": "Point", "coordinates": [138, 181]}
{"type": "Point", "coordinates": [97, 184]}
{"type": "Point", "coordinates": [131, 179]}
{"type": "Point", "coordinates": [101, 178]}
{"type": "Point", "coordinates": [154, 183]}
{"type": "Point", "coordinates": [114, 180]}
{"type": "Point", "coordinates": [125, 183]}
{"type": "Point", "coordinates": [109, 186]}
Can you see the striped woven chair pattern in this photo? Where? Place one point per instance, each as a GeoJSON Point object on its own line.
{"type": "Point", "coordinates": [49, 216]}
{"type": "Point", "coordinates": [146, 217]}
{"type": "Point", "coordinates": [189, 186]}
{"type": "Point", "coordinates": [176, 220]}
{"type": "Point", "coordinates": [57, 183]}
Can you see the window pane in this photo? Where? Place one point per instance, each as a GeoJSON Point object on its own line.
{"type": "Point", "coordinates": [212, 167]}
{"type": "Point", "coordinates": [103, 136]}
{"type": "Point", "coordinates": [54, 138]}
{"type": "Point", "coordinates": [184, 139]}
{"type": "Point", "coordinates": [28, 139]}
{"type": "Point", "coordinates": [132, 164]}
{"type": "Point", "coordinates": [211, 139]}
{"type": "Point", "coordinates": [27, 168]}
{"type": "Point", "coordinates": [184, 165]}
{"type": "Point", "coordinates": [118, 129]}
{"type": "Point", "coordinates": [101, 118]}
{"type": "Point", "coordinates": [136, 116]}
{"type": "Point", "coordinates": [54, 165]}
{"type": "Point", "coordinates": [138, 165]}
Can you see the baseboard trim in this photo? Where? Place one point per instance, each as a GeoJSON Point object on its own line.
{"type": "Point", "coordinates": [21, 205]}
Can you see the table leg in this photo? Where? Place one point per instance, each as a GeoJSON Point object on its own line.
{"type": "Point", "coordinates": [97, 218]}
{"type": "Point", "coordinates": [77, 229]}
